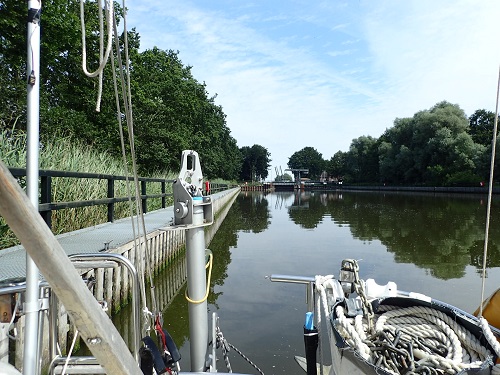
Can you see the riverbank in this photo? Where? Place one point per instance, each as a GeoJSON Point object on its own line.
{"type": "Point", "coordinates": [428, 189]}
{"type": "Point", "coordinates": [314, 186]}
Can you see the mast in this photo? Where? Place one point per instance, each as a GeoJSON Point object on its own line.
{"type": "Point", "coordinates": [31, 306]}
{"type": "Point", "coordinates": [193, 211]}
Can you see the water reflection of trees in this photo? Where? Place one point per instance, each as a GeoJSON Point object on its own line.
{"type": "Point", "coordinates": [249, 212]}
{"type": "Point", "coordinates": [254, 210]}
{"type": "Point", "coordinates": [440, 233]}
{"type": "Point", "coordinates": [308, 209]}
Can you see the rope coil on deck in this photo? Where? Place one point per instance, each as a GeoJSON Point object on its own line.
{"type": "Point", "coordinates": [411, 340]}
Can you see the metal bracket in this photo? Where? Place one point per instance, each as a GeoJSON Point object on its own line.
{"type": "Point", "coordinates": [41, 305]}
{"type": "Point", "coordinates": [188, 192]}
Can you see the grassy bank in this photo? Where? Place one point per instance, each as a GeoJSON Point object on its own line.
{"type": "Point", "coordinates": [64, 154]}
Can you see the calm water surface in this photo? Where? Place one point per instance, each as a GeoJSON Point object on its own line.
{"type": "Point", "coordinates": [432, 244]}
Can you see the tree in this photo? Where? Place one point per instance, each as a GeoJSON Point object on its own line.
{"type": "Point", "coordinates": [67, 96]}
{"type": "Point", "coordinates": [336, 166]}
{"type": "Point", "coordinates": [396, 163]}
{"type": "Point", "coordinates": [362, 159]}
{"type": "Point", "coordinates": [432, 147]}
{"type": "Point", "coordinates": [481, 126]}
{"type": "Point", "coordinates": [283, 177]}
{"type": "Point", "coordinates": [171, 110]}
{"type": "Point", "coordinates": [175, 113]}
{"type": "Point", "coordinates": [255, 163]}
{"type": "Point", "coordinates": [308, 158]}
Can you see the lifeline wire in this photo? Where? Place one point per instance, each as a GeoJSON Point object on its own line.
{"type": "Point", "coordinates": [490, 189]}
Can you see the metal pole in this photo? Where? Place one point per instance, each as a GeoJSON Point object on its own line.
{"type": "Point", "coordinates": [31, 306]}
{"type": "Point", "coordinates": [197, 285]}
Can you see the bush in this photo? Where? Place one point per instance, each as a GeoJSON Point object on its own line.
{"type": "Point", "coordinates": [463, 178]}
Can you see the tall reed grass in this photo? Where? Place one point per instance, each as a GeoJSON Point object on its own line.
{"type": "Point", "coordinates": [65, 154]}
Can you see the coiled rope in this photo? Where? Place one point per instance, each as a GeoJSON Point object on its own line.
{"type": "Point", "coordinates": [208, 266]}
{"type": "Point", "coordinates": [411, 340]}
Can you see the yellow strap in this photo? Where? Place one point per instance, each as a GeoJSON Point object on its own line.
{"type": "Point", "coordinates": [209, 266]}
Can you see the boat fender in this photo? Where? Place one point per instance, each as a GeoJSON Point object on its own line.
{"type": "Point", "coordinates": [167, 342]}
{"type": "Point", "coordinates": [158, 362]}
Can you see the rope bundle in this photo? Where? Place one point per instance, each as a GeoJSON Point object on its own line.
{"type": "Point", "coordinates": [412, 340]}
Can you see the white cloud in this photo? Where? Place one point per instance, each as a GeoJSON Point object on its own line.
{"type": "Point", "coordinates": [282, 88]}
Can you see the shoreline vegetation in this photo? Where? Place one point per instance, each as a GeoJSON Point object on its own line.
{"type": "Point", "coordinates": [65, 154]}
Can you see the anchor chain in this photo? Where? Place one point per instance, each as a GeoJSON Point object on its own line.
{"type": "Point", "coordinates": [353, 266]}
{"type": "Point", "coordinates": [221, 342]}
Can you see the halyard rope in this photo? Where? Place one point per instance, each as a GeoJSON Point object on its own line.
{"type": "Point", "coordinates": [490, 191]}
{"type": "Point", "coordinates": [103, 55]}
{"type": "Point", "coordinates": [141, 244]}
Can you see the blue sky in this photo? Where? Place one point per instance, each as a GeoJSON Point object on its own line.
{"type": "Point", "coordinates": [291, 74]}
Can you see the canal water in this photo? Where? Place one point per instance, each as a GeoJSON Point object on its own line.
{"type": "Point", "coordinates": [432, 244]}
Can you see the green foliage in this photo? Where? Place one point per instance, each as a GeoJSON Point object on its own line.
{"type": "Point", "coordinates": [429, 147]}
{"type": "Point", "coordinates": [362, 159]}
{"type": "Point", "coordinates": [12, 64]}
{"type": "Point", "coordinates": [308, 158]}
{"type": "Point", "coordinates": [336, 166]}
{"type": "Point", "coordinates": [255, 163]}
{"type": "Point", "coordinates": [283, 177]}
{"type": "Point", "coordinates": [439, 146]}
{"type": "Point", "coordinates": [481, 126]}
{"type": "Point", "coordinates": [463, 178]}
{"type": "Point", "coordinates": [172, 111]}
{"type": "Point", "coordinates": [66, 154]}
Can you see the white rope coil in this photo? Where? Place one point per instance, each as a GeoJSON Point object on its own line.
{"type": "Point", "coordinates": [103, 56]}
{"type": "Point", "coordinates": [361, 347]}
{"type": "Point", "coordinates": [457, 349]}
{"type": "Point", "coordinates": [109, 21]}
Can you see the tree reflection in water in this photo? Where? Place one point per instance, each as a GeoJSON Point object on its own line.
{"type": "Point", "coordinates": [441, 233]}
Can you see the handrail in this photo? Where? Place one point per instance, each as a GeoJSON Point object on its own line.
{"type": "Point", "coordinates": [46, 205]}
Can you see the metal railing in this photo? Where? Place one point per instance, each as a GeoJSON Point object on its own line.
{"type": "Point", "coordinates": [47, 205]}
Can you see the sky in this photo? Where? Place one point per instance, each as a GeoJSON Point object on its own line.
{"type": "Point", "coordinates": [306, 73]}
